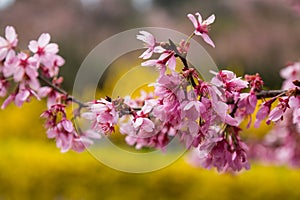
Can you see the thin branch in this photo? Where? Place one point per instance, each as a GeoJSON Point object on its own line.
{"type": "Point", "coordinates": [69, 98]}
{"type": "Point", "coordinates": [270, 93]}
{"type": "Point", "coordinates": [47, 82]}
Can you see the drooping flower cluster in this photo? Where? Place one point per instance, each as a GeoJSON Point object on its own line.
{"type": "Point", "coordinates": [281, 145]}
{"type": "Point", "coordinates": [204, 115]}
{"type": "Point", "coordinates": [63, 131]}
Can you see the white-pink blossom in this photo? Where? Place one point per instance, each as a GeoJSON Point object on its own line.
{"type": "Point", "coordinates": [9, 42]}
{"type": "Point", "coordinates": [150, 44]}
{"type": "Point", "coordinates": [277, 113]}
{"type": "Point", "coordinates": [43, 46]}
{"type": "Point", "coordinates": [167, 59]}
{"type": "Point", "coordinates": [201, 27]}
{"type": "Point", "coordinates": [290, 73]}
{"type": "Point", "coordinates": [103, 116]}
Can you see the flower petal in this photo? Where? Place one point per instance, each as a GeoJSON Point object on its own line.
{"type": "Point", "coordinates": [52, 48]}
{"type": "Point", "coordinates": [68, 125]}
{"type": "Point", "coordinates": [33, 46]}
{"type": "Point", "coordinates": [199, 17]}
{"type": "Point", "coordinates": [149, 63]}
{"type": "Point", "coordinates": [207, 39]}
{"type": "Point", "coordinates": [44, 39]}
{"type": "Point", "coordinates": [11, 35]}
{"type": "Point", "coordinates": [210, 20]}
{"type": "Point", "coordinates": [193, 19]}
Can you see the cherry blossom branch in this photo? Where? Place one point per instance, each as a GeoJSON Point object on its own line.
{"type": "Point", "coordinates": [205, 117]}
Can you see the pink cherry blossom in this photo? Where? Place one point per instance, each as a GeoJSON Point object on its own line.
{"type": "Point", "coordinates": [261, 114]}
{"type": "Point", "coordinates": [158, 140]}
{"type": "Point", "coordinates": [170, 96]}
{"type": "Point", "coordinates": [51, 65]}
{"type": "Point", "coordinates": [248, 102]}
{"type": "Point", "coordinates": [42, 45]}
{"type": "Point", "coordinates": [80, 143]}
{"type": "Point", "coordinates": [201, 27]}
{"type": "Point", "coordinates": [216, 151]}
{"type": "Point", "coordinates": [263, 111]}
{"type": "Point", "coordinates": [10, 64]}
{"type": "Point", "coordinates": [9, 42]}
{"type": "Point", "coordinates": [150, 44]}
{"type": "Point", "coordinates": [246, 106]}
{"type": "Point", "coordinates": [103, 116]}
{"type": "Point", "coordinates": [27, 70]}
{"type": "Point", "coordinates": [229, 81]}
{"type": "Point", "coordinates": [63, 133]}
{"type": "Point", "coordinates": [167, 59]}
{"type": "Point", "coordinates": [290, 73]}
{"type": "Point", "coordinates": [277, 113]}
{"type": "Point", "coordinates": [52, 113]}
{"type": "Point", "coordinates": [294, 103]}
{"type": "Point", "coordinates": [143, 125]}
{"type": "Point", "coordinates": [192, 109]}
{"type": "Point", "coordinates": [62, 130]}
{"type": "Point", "coordinates": [22, 95]}
{"type": "Point", "coordinates": [221, 108]}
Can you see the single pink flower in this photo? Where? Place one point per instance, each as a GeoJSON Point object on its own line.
{"type": "Point", "coordinates": [290, 73]}
{"type": "Point", "coordinates": [193, 109]}
{"type": "Point", "coordinates": [144, 126]}
{"type": "Point", "coordinates": [167, 59]}
{"type": "Point", "coordinates": [294, 104]}
{"type": "Point", "coordinates": [10, 64]}
{"type": "Point", "coordinates": [85, 139]}
{"type": "Point", "coordinates": [228, 80]}
{"type": "Point", "coordinates": [261, 114]}
{"type": "Point", "coordinates": [9, 42]}
{"type": "Point", "coordinates": [158, 140]}
{"type": "Point", "coordinates": [42, 45]}
{"type": "Point", "coordinates": [150, 44]}
{"type": "Point", "coordinates": [51, 65]}
{"type": "Point", "coordinates": [201, 27]}
{"type": "Point", "coordinates": [27, 70]}
{"type": "Point", "coordinates": [103, 116]}
{"type": "Point", "coordinates": [221, 108]}
{"type": "Point", "coordinates": [277, 113]}
{"type": "Point", "coordinates": [248, 102]}
{"type": "Point", "coordinates": [43, 49]}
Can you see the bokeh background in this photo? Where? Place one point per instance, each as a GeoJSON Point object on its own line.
{"type": "Point", "coordinates": [250, 35]}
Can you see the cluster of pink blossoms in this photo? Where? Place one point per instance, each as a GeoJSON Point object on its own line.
{"type": "Point", "coordinates": [21, 71]}
{"type": "Point", "coordinates": [281, 145]}
{"type": "Point", "coordinates": [204, 115]}
{"type": "Point", "coordinates": [35, 73]}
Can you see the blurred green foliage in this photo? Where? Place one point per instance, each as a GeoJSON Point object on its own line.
{"type": "Point", "coordinates": [33, 168]}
